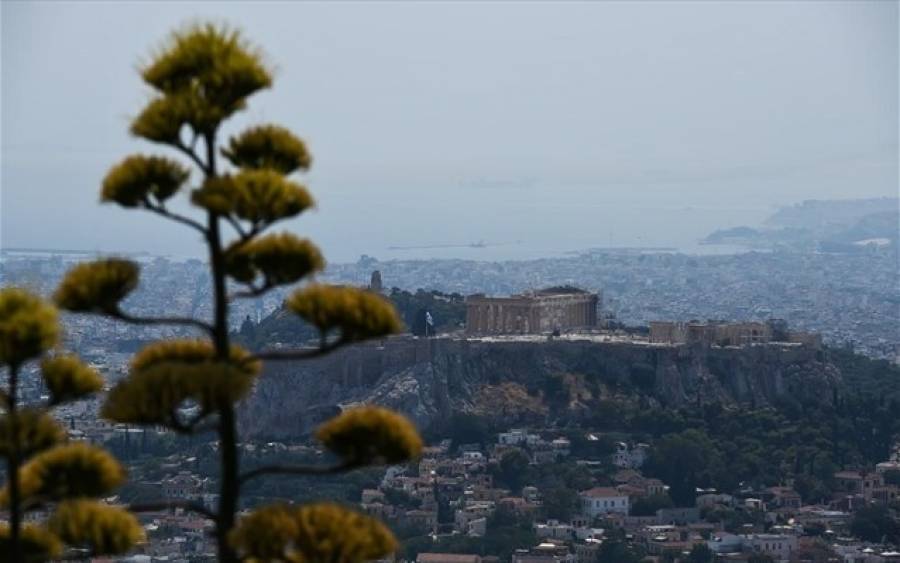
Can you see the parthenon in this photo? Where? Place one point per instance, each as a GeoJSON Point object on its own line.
{"type": "Point", "coordinates": [546, 310]}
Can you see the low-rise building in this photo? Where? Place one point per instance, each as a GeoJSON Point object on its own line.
{"type": "Point", "coordinates": [858, 481]}
{"type": "Point", "coordinates": [630, 457]}
{"type": "Point", "coordinates": [678, 516]}
{"type": "Point", "coordinates": [784, 497]}
{"type": "Point", "coordinates": [554, 529]}
{"type": "Point", "coordinates": [600, 501]}
{"type": "Point", "coordinates": [777, 546]}
{"type": "Point", "coordinates": [185, 485]}
{"type": "Point", "coordinates": [724, 543]}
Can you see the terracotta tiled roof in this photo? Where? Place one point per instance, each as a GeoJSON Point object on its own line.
{"type": "Point", "coordinates": [602, 492]}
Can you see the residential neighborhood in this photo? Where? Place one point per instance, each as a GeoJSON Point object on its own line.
{"type": "Point", "coordinates": [569, 493]}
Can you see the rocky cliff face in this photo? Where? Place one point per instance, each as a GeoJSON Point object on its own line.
{"type": "Point", "coordinates": [526, 382]}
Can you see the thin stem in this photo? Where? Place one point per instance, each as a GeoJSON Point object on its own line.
{"type": "Point", "coordinates": [162, 211]}
{"type": "Point", "coordinates": [189, 151]}
{"type": "Point", "coordinates": [247, 236]}
{"type": "Point", "coordinates": [254, 291]}
{"type": "Point", "coordinates": [12, 467]}
{"type": "Point", "coordinates": [237, 227]}
{"type": "Point", "coordinates": [229, 487]}
{"type": "Point", "coordinates": [298, 470]}
{"type": "Point", "coordinates": [194, 140]}
{"type": "Point", "coordinates": [184, 321]}
{"type": "Point", "coordinates": [188, 505]}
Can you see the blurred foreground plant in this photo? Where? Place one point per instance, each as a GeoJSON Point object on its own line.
{"type": "Point", "coordinates": [202, 76]}
{"type": "Point", "coordinates": [45, 471]}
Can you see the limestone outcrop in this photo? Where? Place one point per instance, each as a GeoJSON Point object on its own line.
{"type": "Point", "coordinates": [517, 382]}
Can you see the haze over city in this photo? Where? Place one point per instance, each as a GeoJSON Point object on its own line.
{"type": "Point", "coordinates": [535, 127]}
{"type": "Point", "coordinates": [450, 282]}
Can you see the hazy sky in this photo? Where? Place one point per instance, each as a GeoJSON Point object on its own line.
{"type": "Point", "coordinates": [557, 126]}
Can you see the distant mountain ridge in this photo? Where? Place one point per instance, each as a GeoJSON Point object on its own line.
{"type": "Point", "coordinates": [823, 225]}
{"type": "Point", "coordinates": [822, 215]}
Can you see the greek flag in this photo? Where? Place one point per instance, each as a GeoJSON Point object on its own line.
{"type": "Point", "coordinates": [428, 320]}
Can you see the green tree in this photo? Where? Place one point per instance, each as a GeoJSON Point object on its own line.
{"type": "Point", "coordinates": [555, 389]}
{"type": "Point", "coordinates": [44, 470]}
{"type": "Point", "coordinates": [875, 524]}
{"type": "Point", "coordinates": [448, 311]}
{"type": "Point", "coordinates": [892, 477]}
{"type": "Point", "coordinates": [596, 447]}
{"type": "Point", "coordinates": [200, 78]}
{"type": "Point", "coordinates": [684, 461]}
{"type": "Point", "coordinates": [465, 428]}
{"type": "Point", "coordinates": [647, 506]}
{"type": "Point", "coordinates": [399, 497]}
{"type": "Point", "coordinates": [513, 470]}
{"type": "Point", "coordinates": [701, 553]}
{"type": "Point", "coordinates": [617, 551]}
{"type": "Point", "coordinates": [560, 503]}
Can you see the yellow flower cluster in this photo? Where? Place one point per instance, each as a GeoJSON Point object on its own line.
{"type": "Point", "coordinates": [36, 430]}
{"type": "Point", "coordinates": [53, 469]}
{"type": "Point", "coordinates": [369, 434]}
{"type": "Point", "coordinates": [258, 196]}
{"type": "Point", "coordinates": [97, 286]}
{"type": "Point", "coordinates": [70, 470]}
{"type": "Point", "coordinates": [138, 177]}
{"type": "Point", "coordinates": [28, 326]}
{"type": "Point", "coordinates": [154, 395]}
{"type": "Point", "coordinates": [38, 544]}
{"type": "Point", "coordinates": [162, 120]}
{"type": "Point", "coordinates": [166, 375]}
{"type": "Point", "coordinates": [215, 57]}
{"type": "Point", "coordinates": [357, 313]}
{"type": "Point", "coordinates": [268, 146]}
{"type": "Point", "coordinates": [104, 529]}
{"type": "Point", "coordinates": [280, 258]}
{"type": "Point", "coordinates": [311, 534]}
{"type": "Point", "coordinates": [68, 379]}
{"type": "Point", "coordinates": [204, 75]}
{"type": "Point", "coordinates": [190, 352]}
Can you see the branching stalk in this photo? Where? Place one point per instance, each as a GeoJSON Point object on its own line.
{"type": "Point", "coordinates": [12, 467]}
{"type": "Point", "coordinates": [244, 235]}
{"type": "Point", "coordinates": [229, 486]}
{"type": "Point", "coordinates": [184, 321]}
{"type": "Point", "coordinates": [190, 153]}
{"type": "Point", "coordinates": [190, 506]}
{"type": "Point", "coordinates": [254, 291]}
{"type": "Point", "coordinates": [163, 212]}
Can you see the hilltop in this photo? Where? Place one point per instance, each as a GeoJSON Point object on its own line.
{"type": "Point", "coordinates": [532, 381]}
